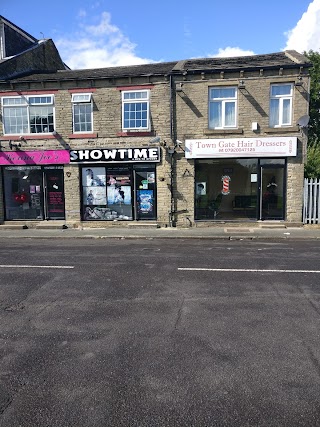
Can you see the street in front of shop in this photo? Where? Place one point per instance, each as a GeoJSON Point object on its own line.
{"type": "Point", "coordinates": [140, 332]}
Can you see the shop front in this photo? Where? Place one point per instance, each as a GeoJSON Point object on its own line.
{"type": "Point", "coordinates": [33, 184]}
{"type": "Point", "coordinates": [241, 179]}
{"type": "Point", "coordinates": [117, 184]}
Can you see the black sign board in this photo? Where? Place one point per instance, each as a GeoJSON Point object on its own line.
{"type": "Point", "coordinates": [115, 155]}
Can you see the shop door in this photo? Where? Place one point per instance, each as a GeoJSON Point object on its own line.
{"type": "Point", "coordinates": [272, 192]}
{"type": "Point", "coordinates": [53, 193]}
{"type": "Point", "coordinates": [145, 198]}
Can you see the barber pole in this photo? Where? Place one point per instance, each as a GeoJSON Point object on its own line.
{"type": "Point", "coordinates": [225, 184]}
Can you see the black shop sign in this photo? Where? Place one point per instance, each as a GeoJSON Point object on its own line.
{"type": "Point", "coordinates": [115, 155]}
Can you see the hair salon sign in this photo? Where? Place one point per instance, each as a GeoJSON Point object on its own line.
{"type": "Point", "coordinates": [241, 147]}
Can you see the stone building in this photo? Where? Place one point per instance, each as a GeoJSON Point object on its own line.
{"type": "Point", "coordinates": [182, 143]}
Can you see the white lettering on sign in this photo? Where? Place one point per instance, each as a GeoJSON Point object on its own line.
{"type": "Point", "coordinates": [115, 155]}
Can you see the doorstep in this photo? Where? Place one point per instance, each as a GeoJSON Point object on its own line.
{"type": "Point", "coordinates": [13, 226]}
{"type": "Point", "coordinates": [50, 226]}
{"type": "Point", "coordinates": [142, 225]}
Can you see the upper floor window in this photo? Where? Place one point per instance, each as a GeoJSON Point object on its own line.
{"type": "Point", "coordinates": [135, 109]}
{"type": "Point", "coordinates": [28, 114]}
{"type": "Point", "coordinates": [222, 107]}
{"type": "Point", "coordinates": [280, 105]}
{"type": "Point", "coordinates": [82, 116]}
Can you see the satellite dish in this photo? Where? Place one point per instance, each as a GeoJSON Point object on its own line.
{"type": "Point", "coordinates": [303, 121]}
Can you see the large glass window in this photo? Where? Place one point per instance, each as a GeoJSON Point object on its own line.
{"type": "Point", "coordinates": [226, 189]}
{"type": "Point", "coordinates": [82, 112]}
{"type": "Point", "coordinates": [135, 109]}
{"type": "Point", "coordinates": [222, 107]}
{"type": "Point", "coordinates": [107, 193]}
{"type": "Point", "coordinates": [116, 193]}
{"type": "Point", "coordinates": [28, 114]}
{"type": "Point", "coordinates": [280, 105]}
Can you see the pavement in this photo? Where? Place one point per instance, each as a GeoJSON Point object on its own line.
{"type": "Point", "coordinates": [223, 231]}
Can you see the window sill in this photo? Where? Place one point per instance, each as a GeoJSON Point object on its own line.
{"type": "Point", "coordinates": [135, 133]}
{"type": "Point", "coordinates": [237, 131]}
{"type": "Point", "coordinates": [288, 129]}
{"type": "Point", "coordinates": [82, 135]}
{"type": "Point", "coordinates": [28, 137]}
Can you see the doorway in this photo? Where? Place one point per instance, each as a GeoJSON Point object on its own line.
{"type": "Point", "coordinates": [144, 180]}
{"type": "Point", "coordinates": [34, 192]}
{"type": "Point", "coordinates": [272, 189]}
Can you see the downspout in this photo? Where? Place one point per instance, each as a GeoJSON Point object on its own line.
{"type": "Point", "coordinates": [171, 154]}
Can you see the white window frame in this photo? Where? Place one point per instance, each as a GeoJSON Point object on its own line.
{"type": "Point", "coordinates": [81, 99]}
{"type": "Point", "coordinates": [126, 101]}
{"type": "Point", "coordinates": [281, 99]}
{"type": "Point", "coordinates": [28, 102]}
{"type": "Point", "coordinates": [223, 101]}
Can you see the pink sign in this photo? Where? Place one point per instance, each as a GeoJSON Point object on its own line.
{"type": "Point", "coordinates": [48, 157]}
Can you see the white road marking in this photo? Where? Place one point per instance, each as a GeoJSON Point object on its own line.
{"type": "Point", "coordinates": [37, 266]}
{"type": "Point", "coordinates": [248, 270]}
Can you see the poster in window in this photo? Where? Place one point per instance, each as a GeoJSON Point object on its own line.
{"type": "Point", "coordinates": [116, 179]}
{"type": "Point", "coordinates": [94, 177]}
{"type": "Point", "coordinates": [119, 194]}
{"type": "Point", "coordinates": [94, 196]}
{"type": "Point", "coordinates": [145, 201]}
{"type": "Point", "coordinates": [201, 188]}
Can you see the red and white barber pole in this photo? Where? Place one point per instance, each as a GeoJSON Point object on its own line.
{"type": "Point", "coordinates": [225, 184]}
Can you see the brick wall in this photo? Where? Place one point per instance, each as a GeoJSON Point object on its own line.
{"type": "Point", "coordinates": [253, 106]}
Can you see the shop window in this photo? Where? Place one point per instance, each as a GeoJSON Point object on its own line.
{"type": "Point", "coordinates": [222, 107]}
{"type": "Point", "coordinates": [226, 189]}
{"type": "Point", "coordinates": [118, 193]}
{"type": "Point", "coordinates": [28, 114]}
{"type": "Point", "coordinates": [135, 110]}
{"type": "Point", "coordinates": [82, 114]}
{"type": "Point", "coordinates": [280, 105]}
{"type": "Point", "coordinates": [106, 194]}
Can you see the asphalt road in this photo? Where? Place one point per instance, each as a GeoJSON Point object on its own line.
{"type": "Point", "coordinates": [143, 333]}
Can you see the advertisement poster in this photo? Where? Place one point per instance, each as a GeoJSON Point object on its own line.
{"type": "Point", "coordinates": [94, 177]}
{"type": "Point", "coordinates": [145, 201]}
{"type": "Point", "coordinates": [94, 196]}
{"type": "Point", "coordinates": [118, 195]}
{"type": "Point", "coordinates": [118, 179]}
{"type": "Point", "coordinates": [201, 188]}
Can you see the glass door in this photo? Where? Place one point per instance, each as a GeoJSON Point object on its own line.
{"type": "Point", "coordinates": [23, 192]}
{"type": "Point", "coordinates": [54, 192]}
{"type": "Point", "coordinates": [145, 198]}
{"type": "Point", "coordinates": [272, 189]}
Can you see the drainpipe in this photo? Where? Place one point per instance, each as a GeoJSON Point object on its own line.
{"type": "Point", "coordinates": [171, 153]}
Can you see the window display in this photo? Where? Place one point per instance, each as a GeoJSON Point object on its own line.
{"type": "Point", "coordinates": [123, 193]}
{"type": "Point", "coordinates": [240, 189]}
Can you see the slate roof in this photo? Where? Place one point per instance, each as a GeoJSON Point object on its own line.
{"type": "Point", "coordinates": [279, 59]}
{"type": "Point", "coordinates": [15, 40]}
{"type": "Point", "coordinates": [287, 59]}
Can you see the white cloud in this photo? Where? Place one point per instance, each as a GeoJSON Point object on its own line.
{"type": "Point", "coordinates": [231, 51]}
{"type": "Point", "coordinates": [98, 46]}
{"type": "Point", "coordinates": [305, 35]}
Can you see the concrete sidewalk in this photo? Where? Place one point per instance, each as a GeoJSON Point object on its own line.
{"type": "Point", "coordinates": [223, 231]}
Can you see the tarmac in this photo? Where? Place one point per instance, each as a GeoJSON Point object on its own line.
{"type": "Point", "coordinates": [223, 231]}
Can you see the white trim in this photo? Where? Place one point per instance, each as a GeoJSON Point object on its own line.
{"type": "Point", "coordinates": [75, 103]}
{"type": "Point", "coordinates": [27, 105]}
{"type": "Point", "coordinates": [135, 101]}
{"type": "Point", "coordinates": [223, 102]}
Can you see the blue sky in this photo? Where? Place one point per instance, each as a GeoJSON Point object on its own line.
{"type": "Point", "coordinates": [92, 34]}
